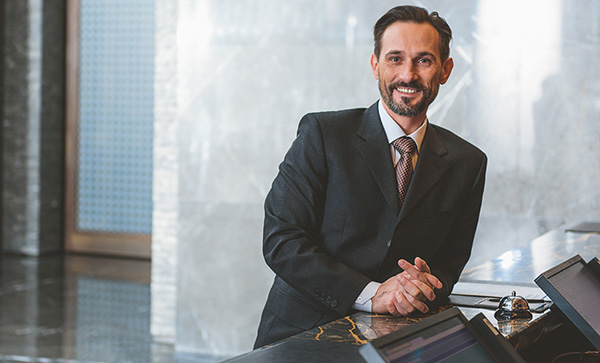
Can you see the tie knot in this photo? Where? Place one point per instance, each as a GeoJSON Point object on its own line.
{"type": "Point", "coordinates": [405, 145]}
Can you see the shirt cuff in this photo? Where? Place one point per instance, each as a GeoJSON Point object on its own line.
{"type": "Point", "coordinates": [363, 301]}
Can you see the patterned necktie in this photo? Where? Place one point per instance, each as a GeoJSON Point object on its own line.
{"type": "Point", "coordinates": [404, 168]}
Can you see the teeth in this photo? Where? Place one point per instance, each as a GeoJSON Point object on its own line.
{"type": "Point", "coordinates": [407, 90]}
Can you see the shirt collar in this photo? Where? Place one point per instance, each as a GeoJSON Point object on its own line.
{"type": "Point", "coordinates": [393, 131]}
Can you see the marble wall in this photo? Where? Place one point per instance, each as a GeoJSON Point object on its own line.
{"type": "Point", "coordinates": [32, 129]}
{"type": "Point", "coordinates": [246, 71]}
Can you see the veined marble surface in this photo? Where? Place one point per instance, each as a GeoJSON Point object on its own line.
{"type": "Point", "coordinates": [341, 339]}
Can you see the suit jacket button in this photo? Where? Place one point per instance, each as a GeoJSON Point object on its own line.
{"type": "Point", "coordinates": [334, 303]}
{"type": "Point", "coordinates": [328, 300]}
{"type": "Point", "coordinates": [323, 296]}
{"type": "Point", "coordinates": [317, 293]}
{"type": "Point", "coordinates": [389, 243]}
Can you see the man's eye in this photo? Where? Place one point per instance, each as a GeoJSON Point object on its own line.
{"type": "Point", "coordinates": [395, 59]}
{"type": "Point", "coordinates": [424, 61]}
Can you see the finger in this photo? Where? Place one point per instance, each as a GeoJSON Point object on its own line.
{"type": "Point", "coordinates": [422, 265]}
{"type": "Point", "coordinates": [411, 287]}
{"type": "Point", "coordinates": [430, 280]}
{"type": "Point", "coordinates": [395, 310]}
{"type": "Point", "coordinates": [391, 308]}
{"type": "Point", "coordinates": [417, 289]}
{"type": "Point", "coordinates": [419, 305]}
{"type": "Point", "coordinates": [410, 304]}
{"type": "Point", "coordinates": [402, 304]}
{"type": "Point", "coordinates": [412, 270]}
{"type": "Point", "coordinates": [434, 281]}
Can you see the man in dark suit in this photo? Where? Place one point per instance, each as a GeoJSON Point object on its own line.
{"type": "Point", "coordinates": [340, 229]}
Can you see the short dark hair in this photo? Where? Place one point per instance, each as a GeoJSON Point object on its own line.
{"type": "Point", "coordinates": [413, 14]}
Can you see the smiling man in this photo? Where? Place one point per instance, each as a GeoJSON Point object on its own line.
{"type": "Point", "coordinates": [410, 69]}
{"type": "Point", "coordinates": [374, 209]}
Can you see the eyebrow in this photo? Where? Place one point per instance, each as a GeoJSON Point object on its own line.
{"type": "Point", "coordinates": [401, 52]}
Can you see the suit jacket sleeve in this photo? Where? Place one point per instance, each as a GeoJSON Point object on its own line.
{"type": "Point", "coordinates": [293, 215]}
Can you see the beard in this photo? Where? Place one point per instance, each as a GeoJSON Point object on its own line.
{"type": "Point", "coordinates": [405, 108]}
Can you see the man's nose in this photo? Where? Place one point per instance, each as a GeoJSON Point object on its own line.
{"type": "Point", "coordinates": [408, 72]}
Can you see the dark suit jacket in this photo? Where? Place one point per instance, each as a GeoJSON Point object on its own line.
{"type": "Point", "coordinates": [333, 223]}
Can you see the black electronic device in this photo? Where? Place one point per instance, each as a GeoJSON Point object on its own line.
{"type": "Point", "coordinates": [594, 264]}
{"type": "Point", "coordinates": [585, 227]}
{"type": "Point", "coordinates": [445, 337]}
{"type": "Point", "coordinates": [495, 340]}
{"type": "Point", "coordinates": [574, 288]}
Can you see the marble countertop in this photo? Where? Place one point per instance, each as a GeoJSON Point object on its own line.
{"type": "Point", "coordinates": [341, 339]}
{"type": "Point", "coordinates": [524, 264]}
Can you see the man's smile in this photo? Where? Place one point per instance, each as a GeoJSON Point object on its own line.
{"type": "Point", "coordinates": [407, 90]}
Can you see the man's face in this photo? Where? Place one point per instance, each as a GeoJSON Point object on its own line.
{"type": "Point", "coordinates": [409, 68]}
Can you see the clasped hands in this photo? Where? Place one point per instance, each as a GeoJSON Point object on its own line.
{"type": "Point", "coordinates": [407, 291]}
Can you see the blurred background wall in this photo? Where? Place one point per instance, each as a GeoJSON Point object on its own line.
{"type": "Point", "coordinates": [234, 77]}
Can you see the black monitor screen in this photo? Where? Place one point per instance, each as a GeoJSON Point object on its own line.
{"type": "Point", "coordinates": [448, 341]}
{"type": "Point", "coordinates": [581, 288]}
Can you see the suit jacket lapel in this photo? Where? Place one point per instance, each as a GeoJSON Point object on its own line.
{"type": "Point", "coordinates": [430, 168]}
{"type": "Point", "coordinates": [375, 151]}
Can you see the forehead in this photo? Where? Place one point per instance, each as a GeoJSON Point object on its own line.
{"type": "Point", "coordinates": [410, 38]}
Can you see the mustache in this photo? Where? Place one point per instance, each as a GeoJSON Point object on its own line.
{"type": "Point", "coordinates": [413, 84]}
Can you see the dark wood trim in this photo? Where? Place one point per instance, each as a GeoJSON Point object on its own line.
{"type": "Point", "coordinates": [122, 245]}
{"type": "Point", "coordinates": [71, 115]}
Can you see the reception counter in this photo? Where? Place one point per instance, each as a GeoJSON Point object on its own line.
{"type": "Point", "coordinates": [340, 340]}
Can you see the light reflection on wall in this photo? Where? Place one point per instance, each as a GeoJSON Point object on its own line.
{"type": "Point", "coordinates": [194, 30]}
{"type": "Point", "coordinates": [350, 31]}
{"type": "Point", "coordinates": [516, 49]}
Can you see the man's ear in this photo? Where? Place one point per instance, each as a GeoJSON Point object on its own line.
{"type": "Point", "coordinates": [447, 69]}
{"type": "Point", "coordinates": [374, 64]}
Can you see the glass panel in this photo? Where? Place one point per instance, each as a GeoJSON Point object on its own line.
{"type": "Point", "coordinates": [114, 188]}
